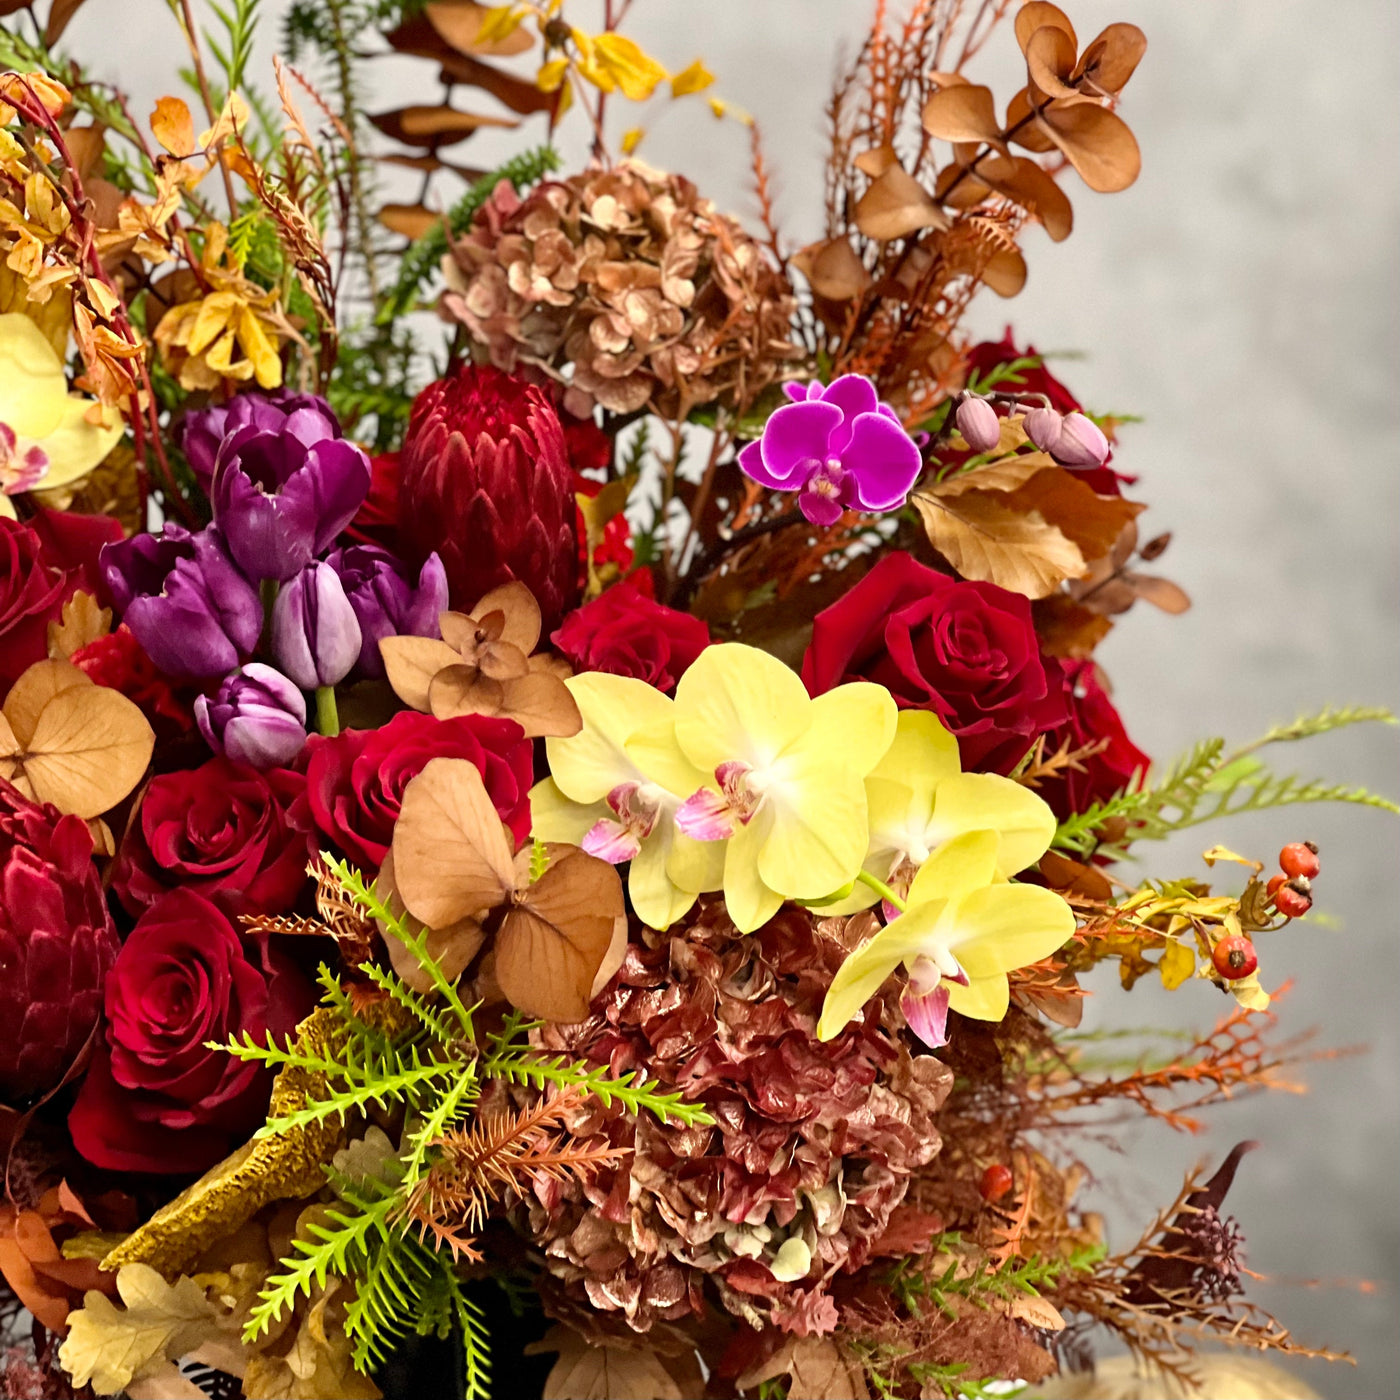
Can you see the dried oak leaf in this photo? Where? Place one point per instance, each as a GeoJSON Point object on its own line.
{"type": "Point", "coordinates": [82, 622]}
{"type": "Point", "coordinates": [83, 747]}
{"type": "Point", "coordinates": [817, 1370]}
{"type": "Point", "coordinates": [986, 542]}
{"type": "Point", "coordinates": [587, 1372]}
{"type": "Point", "coordinates": [317, 1365]}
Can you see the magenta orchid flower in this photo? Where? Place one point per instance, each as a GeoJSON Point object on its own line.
{"type": "Point", "coordinates": [838, 447]}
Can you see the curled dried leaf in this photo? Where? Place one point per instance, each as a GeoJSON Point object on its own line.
{"type": "Point", "coordinates": [1020, 123]}
{"type": "Point", "coordinates": [1112, 58]}
{"type": "Point", "coordinates": [1092, 521]}
{"type": "Point", "coordinates": [1050, 55]}
{"type": "Point", "coordinates": [877, 160]}
{"type": "Point", "coordinates": [408, 220]}
{"type": "Point", "coordinates": [833, 269]}
{"type": "Point", "coordinates": [1037, 14]}
{"type": "Point", "coordinates": [896, 205]}
{"type": "Point", "coordinates": [459, 22]}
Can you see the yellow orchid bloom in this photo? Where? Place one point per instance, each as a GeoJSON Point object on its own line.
{"type": "Point", "coordinates": [48, 437]}
{"type": "Point", "coordinates": [788, 793]}
{"type": "Point", "coordinates": [601, 798]}
{"type": "Point", "coordinates": [918, 798]}
{"type": "Point", "coordinates": [962, 931]}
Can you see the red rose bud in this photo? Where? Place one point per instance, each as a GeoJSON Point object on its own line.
{"type": "Point", "coordinates": [1081, 443]}
{"type": "Point", "coordinates": [978, 423]}
{"type": "Point", "coordinates": [485, 482]}
{"type": "Point", "coordinates": [57, 942]}
{"type": "Point", "coordinates": [315, 633]}
{"type": "Point", "coordinates": [1043, 427]}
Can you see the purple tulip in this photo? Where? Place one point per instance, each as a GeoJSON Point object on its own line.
{"type": "Point", "coordinates": [186, 601]}
{"type": "Point", "coordinates": [281, 495]}
{"type": "Point", "coordinates": [307, 416]}
{"type": "Point", "coordinates": [978, 423]}
{"type": "Point", "coordinates": [380, 589]}
{"type": "Point", "coordinates": [258, 717]}
{"type": "Point", "coordinates": [1081, 443]}
{"type": "Point", "coordinates": [838, 447]}
{"type": "Point", "coordinates": [315, 634]}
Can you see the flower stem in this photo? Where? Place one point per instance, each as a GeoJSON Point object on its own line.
{"type": "Point", "coordinates": [327, 717]}
{"type": "Point", "coordinates": [882, 889]}
{"type": "Point", "coordinates": [267, 592]}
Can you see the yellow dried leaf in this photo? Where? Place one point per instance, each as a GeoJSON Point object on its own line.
{"type": "Point", "coordinates": [35, 687]}
{"type": "Point", "coordinates": [1178, 963]}
{"type": "Point", "coordinates": [694, 78]}
{"type": "Point", "coordinates": [1005, 474]}
{"type": "Point", "coordinates": [633, 71]}
{"type": "Point", "coordinates": [985, 541]}
{"type": "Point", "coordinates": [631, 139]}
{"type": "Point", "coordinates": [173, 127]}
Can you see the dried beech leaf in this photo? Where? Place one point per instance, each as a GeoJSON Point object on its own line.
{"type": "Point", "coordinates": [82, 622]}
{"type": "Point", "coordinates": [36, 686]}
{"type": "Point", "coordinates": [88, 750]}
{"type": "Point", "coordinates": [833, 269]}
{"type": "Point", "coordinates": [963, 113]}
{"type": "Point", "coordinates": [1113, 57]}
{"type": "Point", "coordinates": [556, 935]}
{"type": "Point", "coordinates": [1161, 593]}
{"type": "Point", "coordinates": [816, 1368]}
{"type": "Point", "coordinates": [1092, 521]}
{"type": "Point", "coordinates": [877, 160]}
{"type": "Point", "coordinates": [1034, 189]}
{"type": "Point", "coordinates": [1050, 56]}
{"type": "Point", "coordinates": [986, 542]}
{"type": "Point", "coordinates": [411, 663]}
{"type": "Point", "coordinates": [434, 126]}
{"type": "Point", "coordinates": [540, 703]}
{"type": "Point", "coordinates": [408, 220]}
{"type": "Point", "coordinates": [452, 857]}
{"type": "Point", "coordinates": [1005, 474]}
{"type": "Point", "coordinates": [1021, 127]}
{"type": "Point", "coordinates": [522, 622]}
{"type": "Point", "coordinates": [1036, 15]}
{"type": "Point", "coordinates": [460, 21]}
{"type": "Point", "coordinates": [1068, 629]}
{"type": "Point", "coordinates": [1098, 143]}
{"type": "Point", "coordinates": [896, 205]}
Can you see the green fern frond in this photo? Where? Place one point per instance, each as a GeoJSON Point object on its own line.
{"type": "Point", "coordinates": [446, 1113]}
{"type": "Point", "coordinates": [388, 981]}
{"type": "Point", "coordinates": [557, 1072]}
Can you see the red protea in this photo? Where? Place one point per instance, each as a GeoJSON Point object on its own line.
{"type": "Point", "coordinates": [57, 942]}
{"type": "Point", "coordinates": [485, 481]}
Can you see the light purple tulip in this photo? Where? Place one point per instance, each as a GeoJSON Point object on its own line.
{"type": "Point", "coordinates": [258, 717]}
{"type": "Point", "coordinates": [186, 601]}
{"type": "Point", "coordinates": [315, 634]}
{"type": "Point", "coordinates": [839, 448]}
{"type": "Point", "coordinates": [386, 603]}
{"type": "Point", "coordinates": [978, 423]}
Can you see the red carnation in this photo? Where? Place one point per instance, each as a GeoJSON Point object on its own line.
{"type": "Point", "coordinates": [626, 633]}
{"type": "Point", "coordinates": [967, 651]}
{"type": "Point", "coordinates": [156, 1098]}
{"type": "Point", "coordinates": [355, 781]}
{"type": "Point", "coordinates": [485, 481]}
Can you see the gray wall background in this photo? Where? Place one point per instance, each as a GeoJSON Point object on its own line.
{"type": "Point", "coordinates": [1244, 298]}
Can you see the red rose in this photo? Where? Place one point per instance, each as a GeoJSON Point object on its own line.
{"type": "Point", "coordinates": [155, 1098]}
{"type": "Point", "coordinates": [236, 836]}
{"type": "Point", "coordinates": [355, 781]}
{"type": "Point", "coordinates": [43, 562]}
{"type": "Point", "coordinates": [625, 633]}
{"type": "Point", "coordinates": [377, 520]}
{"type": "Point", "coordinates": [966, 651]}
{"type": "Point", "coordinates": [1092, 719]}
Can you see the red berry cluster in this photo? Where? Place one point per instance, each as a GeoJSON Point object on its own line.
{"type": "Point", "coordinates": [1292, 890]}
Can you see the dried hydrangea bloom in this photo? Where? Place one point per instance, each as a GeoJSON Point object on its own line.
{"type": "Point", "coordinates": [814, 1148]}
{"type": "Point", "coordinates": [629, 276]}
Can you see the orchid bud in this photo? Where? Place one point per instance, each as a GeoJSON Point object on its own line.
{"type": "Point", "coordinates": [1043, 426]}
{"type": "Point", "coordinates": [1081, 443]}
{"type": "Point", "coordinates": [315, 634]}
{"type": "Point", "coordinates": [978, 423]}
{"type": "Point", "coordinates": [258, 717]}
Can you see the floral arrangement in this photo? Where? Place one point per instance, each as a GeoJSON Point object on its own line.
{"type": "Point", "coordinates": [566, 839]}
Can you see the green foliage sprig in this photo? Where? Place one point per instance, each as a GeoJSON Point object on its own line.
{"type": "Point", "coordinates": [1207, 783]}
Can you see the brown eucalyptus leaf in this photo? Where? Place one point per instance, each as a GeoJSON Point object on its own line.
{"type": "Point", "coordinates": [1098, 143]}
{"type": "Point", "coordinates": [423, 125]}
{"type": "Point", "coordinates": [452, 856]}
{"type": "Point", "coordinates": [833, 269]}
{"type": "Point", "coordinates": [522, 621]}
{"type": "Point", "coordinates": [876, 160]}
{"type": "Point", "coordinates": [1050, 55]}
{"type": "Point", "coordinates": [986, 542]}
{"type": "Point", "coordinates": [1005, 474]}
{"type": "Point", "coordinates": [1005, 272]}
{"type": "Point", "coordinates": [957, 189]}
{"type": "Point", "coordinates": [1092, 521]}
{"type": "Point", "coordinates": [1068, 629]}
{"type": "Point", "coordinates": [83, 621]}
{"type": "Point", "coordinates": [555, 936]}
{"type": "Point", "coordinates": [519, 94]}
{"type": "Point", "coordinates": [1036, 15]}
{"type": "Point", "coordinates": [60, 13]}
{"type": "Point", "coordinates": [460, 21]}
{"type": "Point", "coordinates": [1112, 58]}
{"type": "Point", "coordinates": [1021, 127]}
{"type": "Point", "coordinates": [88, 750]}
{"type": "Point", "coordinates": [500, 661]}
{"type": "Point", "coordinates": [462, 690]}
{"type": "Point", "coordinates": [411, 663]}
{"type": "Point", "coordinates": [1155, 547]}
{"type": "Point", "coordinates": [408, 220]}
{"type": "Point", "coordinates": [895, 206]}
{"type": "Point", "coordinates": [1033, 188]}
{"type": "Point", "coordinates": [963, 113]}
{"type": "Point", "coordinates": [35, 687]}
{"type": "Point", "coordinates": [452, 947]}
{"type": "Point", "coordinates": [1161, 593]}
{"type": "Point", "coordinates": [541, 704]}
